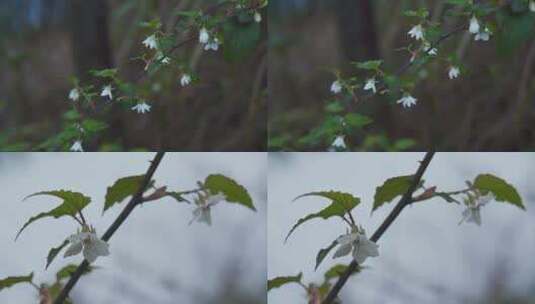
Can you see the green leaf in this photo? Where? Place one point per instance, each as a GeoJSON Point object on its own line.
{"type": "Point", "coordinates": [73, 202]}
{"type": "Point", "coordinates": [340, 204]}
{"type": "Point", "coordinates": [335, 271]}
{"type": "Point", "coordinates": [369, 65]}
{"type": "Point", "coordinates": [234, 192]}
{"type": "Point", "coordinates": [503, 192]}
{"type": "Point", "coordinates": [54, 252]}
{"type": "Point", "coordinates": [280, 281]}
{"type": "Point", "coordinates": [391, 188]}
{"type": "Point", "coordinates": [123, 188]}
{"type": "Point", "coordinates": [11, 281]}
{"type": "Point", "coordinates": [323, 253]}
{"type": "Point", "coordinates": [67, 271]}
{"type": "Point", "coordinates": [338, 270]}
{"type": "Point", "coordinates": [357, 121]}
{"type": "Point", "coordinates": [177, 196]}
{"type": "Point", "coordinates": [107, 73]}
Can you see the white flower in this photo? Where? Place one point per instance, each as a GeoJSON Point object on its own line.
{"type": "Point", "coordinates": [483, 35]}
{"type": "Point", "coordinates": [141, 108]}
{"type": "Point", "coordinates": [357, 242]}
{"type": "Point", "coordinates": [204, 36]}
{"type": "Point", "coordinates": [428, 50]}
{"type": "Point", "coordinates": [370, 85]}
{"type": "Point", "coordinates": [257, 17]}
{"type": "Point", "coordinates": [151, 42]}
{"type": "Point", "coordinates": [532, 6]}
{"type": "Point", "coordinates": [77, 146]}
{"type": "Point", "coordinates": [336, 87]}
{"type": "Point", "coordinates": [407, 101]}
{"type": "Point", "coordinates": [454, 72]}
{"type": "Point", "coordinates": [417, 32]}
{"type": "Point", "coordinates": [106, 91]}
{"type": "Point", "coordinates": [162, 58]}
{"type": "Point", "coordinates": [92, 246]}
{"type": "Point", "coordinates": [474, 25]}
{"type": "Point", "coordinates": [212, 45]}
{"type": "Point", "coordinates": [185, 80]}
{"type": "Point", "coordinates": [202, 213]}
{"type": "Point", "coordinates": [339, 142]}
{"type": "Point", "coordinates": [74, 94]}
{"type": "Point", "coordinates": [472, 213]}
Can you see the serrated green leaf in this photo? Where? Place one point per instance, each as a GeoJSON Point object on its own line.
{"type": "Point", "coordinates": [11, 281]}
{"type": "Point", "coordinates": [503, 192]}
{"type": "Point", "coordinates": [73, 202]}
{"type": "Point", "coordinates": [340, 204]}
{"type": "Point", "coordinates": [54, 252]}
{"type": "Point", "coordinates": [323, 253]}
{"type": "Point", "coordinates": [390, 189]}
{"type": "Point", "coordinates": [281, 281]}
{"type": "Point", "coordinates": [123, 188]}
{"type": "Point", "coordinates": [234, 192]}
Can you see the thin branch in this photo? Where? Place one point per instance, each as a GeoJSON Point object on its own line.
{"type": "Point", "coordinates": [405, 200]}
{"type": "Point", "coordinates": [136, 200]}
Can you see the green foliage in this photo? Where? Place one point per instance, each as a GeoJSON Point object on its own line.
{"type": "Point", "coordinates": [54, 252]}
{"type": "Point", "coordinates": [341, 203]}
{"type": "Point", "coordinates": [67, 271]}
{"type": "Point", "coordinates": [107, 73]}
{"type": "Point", "coordinates": [281, 281]}
{"type": "Point", "coordinates": [514, 31]}
{"type": "Point", "coordinates": [177, 196]}
{"type": "Point", "coordinates": [336, 271]}
{"type": "Point", "coordinates": [11, 281]}
{"type": "Point", "coordinates": [369, 65]}
{"type": "Point", "coordinates": [240, 40]}
{"type": "Point", "coordinates": [502, 191]}
{"type": "Point", "coordinates": [390, 189]}
{"type": "Point", "coordinates": [121, 189]}
{"type": "Point", "coordinates": [323, 253]}
{"type": "Point", "coordinates": [234, 192]}
{"type": "Point", "coordinates": [73, 202]}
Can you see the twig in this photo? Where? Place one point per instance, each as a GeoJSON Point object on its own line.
{"type": "Point", "coordinates": [405, 200]}
{"type": "Point", "coordinates": [136, 200]}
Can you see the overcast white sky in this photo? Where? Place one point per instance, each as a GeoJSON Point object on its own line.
{"type": "Point", "coordinates": [425, 256]}
{"type": "Point", "coordinates": [155, 256]}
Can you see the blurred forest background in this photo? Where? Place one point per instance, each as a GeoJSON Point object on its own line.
{"type": "Point", "coordinates": [490, 108]}
{"type": "Point", "coordinates": [45, 42]}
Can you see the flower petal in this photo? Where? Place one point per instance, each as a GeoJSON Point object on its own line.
{"type": "Point", "coordinates": [343, 250]}
{"type": "Point", "coordinates": [74, 249]}
{"type": "Point", "coordinates": [205, 216]}
{"type": "Point", "coordinates": [347, 238]}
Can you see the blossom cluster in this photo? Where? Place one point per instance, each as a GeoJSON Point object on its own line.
{"type": "Point", "coordinates": [159, 47]}
{"type": "Point", "coordinates": [427, 37]}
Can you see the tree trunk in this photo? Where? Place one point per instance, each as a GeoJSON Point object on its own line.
{"type": "Point", "coordinates": [357, 29]}
{"type": "Point", "coordinates": [90, 38]}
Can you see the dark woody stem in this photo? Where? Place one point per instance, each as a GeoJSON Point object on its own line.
{"type": "Point", "coordinates": [135, 201]}
{"type": "Point", "coordinates": [405, 200]}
